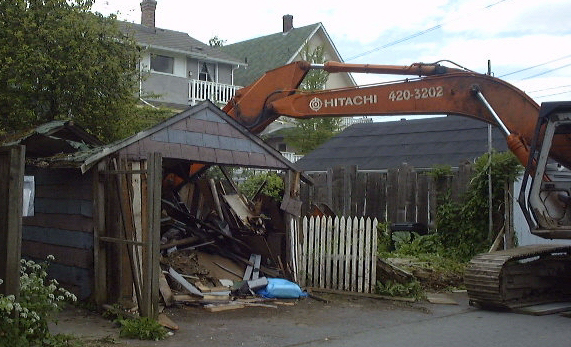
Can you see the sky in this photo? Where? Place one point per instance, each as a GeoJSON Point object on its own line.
{"type": "Point", "coordinates": [528, 43]}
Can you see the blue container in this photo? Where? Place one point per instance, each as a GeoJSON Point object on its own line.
{"type": "Point", "coordinates": [280, 288]}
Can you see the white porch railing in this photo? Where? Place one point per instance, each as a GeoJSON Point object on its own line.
{"type": "Point", "coordinates": [218, 93]}
{"type": "Point", "coordinates": [292, 156]}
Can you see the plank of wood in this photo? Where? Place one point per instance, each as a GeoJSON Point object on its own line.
{"type": "Point", "coordinates": [202, 287]}
{"type": "Point", "coordinates": [256, 268]}
{"type": "Point", "coordinates": [440, 298]}
{"type": "Point", "coordinates": [183, 297]}
{"type": "Point", "coordinates": [545, 309]}
{"type": "Point", "coordinates": [177, 277]}
{"type": "Point", "coordinates": [207, 297]}
{"type": "Point", "coordinates": [363, 295]}
{"type": "Point", "coordinates": [185, 241]}
{"type": "Point", "coordinates": [166, 322]}
{"type": "Point", "coordinates": [249, 268]}
{"type": "Point", "coordinates": [386, 270]}
{"type": "Point", "coordinates": [226, 307]}
{"type": "Point", "coordinates": [165, 290]}
{"type": "Point", "coordinates": [322, 243]}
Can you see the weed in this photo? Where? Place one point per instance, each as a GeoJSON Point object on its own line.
{"type": "Point", "coordinates": [143, 328]}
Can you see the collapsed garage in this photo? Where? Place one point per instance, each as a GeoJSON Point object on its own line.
{"type": "Point", "coordinates": [108, 212]}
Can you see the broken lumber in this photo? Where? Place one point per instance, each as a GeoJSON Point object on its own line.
{"type": "Point", "coordinates": [177, 277]}
{"type": "Point", "coordinates": [165, 290]}
{"type": "Point", "coordinates": [362, 295]}
{"type": "Point", "coordinates": [166, 322]}
{"type": "Point", "coordinates": [386, 270]}
{"type": "Point", "coordinates": [180, 242]}
{"type": "Point", "coordinates": [223, 307]}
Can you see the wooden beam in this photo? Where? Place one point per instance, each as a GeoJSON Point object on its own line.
{"type": "Point", "coordinates": [12, 161]}
{"type": "Point", "coordinates": [154, 166]}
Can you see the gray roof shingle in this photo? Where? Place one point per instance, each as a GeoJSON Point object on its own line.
{"type": "Point", "coordinates": [174, 40]}
{"type": "Point", "coordinates": [421, 143]}
{"type": "Point", "coordinates": [267, 52]}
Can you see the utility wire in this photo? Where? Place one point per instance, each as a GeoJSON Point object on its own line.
{"type": "Point", "coordinates": [544, 89]}
{"type": "Point", "coordinates": [548, 71]}
{"type": "Point", "coordinates": [420, 33]}
{"type": "Point", "coordinates": [545, 96]}
{"type": "Point", "coordinates": [533, 67]}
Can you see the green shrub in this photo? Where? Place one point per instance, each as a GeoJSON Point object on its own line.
{"type": "Point", "coordinates": [274, 186]}
{"type": "Point", "coordinates": [412, 289]}
{"type": "Point", "coordinates": [25, 322]}
{"type": "Point", "coordinates": [143, 328]}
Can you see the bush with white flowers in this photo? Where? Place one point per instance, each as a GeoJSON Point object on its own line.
{"type": "Point", "coordinates": [25, 322]}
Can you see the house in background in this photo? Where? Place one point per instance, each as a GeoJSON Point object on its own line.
{"type": "Point", "coordinates": [177, 70]}
{"type": "Point", "coordinates": [268, 52]}
{"type": "Point", "coordinates": [421, 143]}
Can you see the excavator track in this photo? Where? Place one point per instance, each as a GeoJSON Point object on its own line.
{"type": "Point", "coordinates": [520, 277]}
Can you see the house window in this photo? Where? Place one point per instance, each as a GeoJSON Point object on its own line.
{"type": "Point", "coordinates": [282, 147]}
{"type": "Point", "coordinates": [162, 63]}
{"type": "Point", "coordinates": [206, 72]}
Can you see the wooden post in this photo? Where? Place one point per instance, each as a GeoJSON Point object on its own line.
{"type": "Point", "coordinates": [99, 252]}
{"type": "Point", "coordinates": [510, 241]}
{"type": "Point", "coordinates": [154, 168]}
{"type": "Point", "coordinates": [12, 160]}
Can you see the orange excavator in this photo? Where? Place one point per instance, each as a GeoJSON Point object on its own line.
{"type": "Point", "coordinates": [538, 136]}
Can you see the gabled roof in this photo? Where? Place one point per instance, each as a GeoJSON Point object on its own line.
{"type": "Point", "coordinates": [421, 143]}
{"type": "Point", "coordinates": [268, 52]}
{"type": "Point", "coordinates": [175, 41]}
{"type": "Point", "coordinates": [202, 133]}
{"type": "Point", "coordinates": [52, 138]}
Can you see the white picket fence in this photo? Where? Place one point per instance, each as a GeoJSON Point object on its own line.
{"type": "Point", "coordinates": [338, 253]}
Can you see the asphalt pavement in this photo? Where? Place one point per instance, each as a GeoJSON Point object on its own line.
{"type": "Point", "coordinates": [343, 321]}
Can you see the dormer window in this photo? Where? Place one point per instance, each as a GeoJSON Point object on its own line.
{"type": "Point", "coordinates": [162, 63]}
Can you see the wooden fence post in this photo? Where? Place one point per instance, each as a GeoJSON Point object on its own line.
{"type": "Point", "coordinates": [12, 161]}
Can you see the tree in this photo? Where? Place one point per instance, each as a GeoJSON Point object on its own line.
{"type": "Point", "coordinates": [58, 60]}
{"type": "Point", "coordinates": [308, 134]}
{"type": "Point", "coordinates": [216, 42]}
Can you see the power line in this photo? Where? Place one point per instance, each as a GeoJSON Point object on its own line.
{"type": "Point", "coordinates": [542, 90]}
{"type": "Point", "coordinates": [548, 71]}
{"type": "Point", "coordinates": [438, 26]}
{"type": "Point", "coordinates": [533, 67]}
{"type": "Point", "coordinates": [545, 96]}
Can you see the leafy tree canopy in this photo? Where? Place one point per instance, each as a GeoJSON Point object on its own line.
{"type": "Point", "coordinates": [216, 41]}
{"type": "Point", "coordinates": [308, 134]}
{"type": "Point", "coordinates": [58, 60]}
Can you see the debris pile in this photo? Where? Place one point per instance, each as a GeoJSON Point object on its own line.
{"type": "Point", "coordinates": [218, 248]}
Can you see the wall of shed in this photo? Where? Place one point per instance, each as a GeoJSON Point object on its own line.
{"type": "Point", "coordinates": [62, 226]}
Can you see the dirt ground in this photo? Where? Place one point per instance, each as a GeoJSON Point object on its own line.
{"type": "Point", "coordinates": [288, 324]}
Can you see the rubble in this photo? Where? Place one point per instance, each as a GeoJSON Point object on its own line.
{"type": "Point", "coordinates": [217, 247]}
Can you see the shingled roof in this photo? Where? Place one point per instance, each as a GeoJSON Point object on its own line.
{"type": "Point", "coordinates": [268, 52]}
{"type": "Point", "coordinates": [421, 143]}
{"type": "Point", "coordinates": [176, 41]}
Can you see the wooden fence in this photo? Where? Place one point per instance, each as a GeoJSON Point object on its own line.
{"type": "Point", "coordinates": [399, 195]}
{"type": "Point", "coordinates": [338, 253]}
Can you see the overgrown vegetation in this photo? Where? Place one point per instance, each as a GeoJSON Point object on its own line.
{"type": "Point", "coordinates": [412, 289]}
{"type": "Point", "coordinates": [273, 185]}
{"type": "Point", "coordinates": [142, 328]}
{"type": "Point", "coordinates": [24, 322]}
{"type": "Point", "coordinates": [438, 259]}
{"type": "Point", "coordinates": [462, 228]}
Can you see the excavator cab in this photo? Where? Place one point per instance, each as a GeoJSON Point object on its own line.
{"type": "Point", "coordinates": [545, 197]}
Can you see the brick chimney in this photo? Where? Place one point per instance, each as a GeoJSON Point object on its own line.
{"type": "Point", "coordinates": [288, 23]}
{"type": "Point", "coordinates": [148, 13]}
